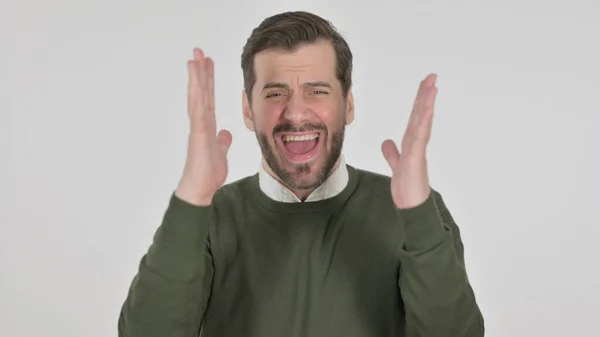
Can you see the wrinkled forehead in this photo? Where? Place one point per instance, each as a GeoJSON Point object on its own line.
{"type": "Point", "coordinates": [308, 63]}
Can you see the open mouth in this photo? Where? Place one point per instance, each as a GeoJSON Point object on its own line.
{"type": "Point", "coordinates": [300, 147]}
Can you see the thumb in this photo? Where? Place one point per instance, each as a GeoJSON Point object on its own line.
{"type": "Point", "coordinates": [224, 139]}
{"type": "Point", "coordinates": [391, 153]}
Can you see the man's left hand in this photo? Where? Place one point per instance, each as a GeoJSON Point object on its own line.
{"type": "Point", "coordinates": [410, 181]}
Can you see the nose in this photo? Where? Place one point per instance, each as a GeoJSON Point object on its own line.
{"type": "Point", "coordinates": [297, 111]}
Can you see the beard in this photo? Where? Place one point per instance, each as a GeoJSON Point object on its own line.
{"type": "Point", "coordinates": [290, 177]}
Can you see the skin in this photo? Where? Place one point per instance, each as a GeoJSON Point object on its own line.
{"type": "Point", "coordinates": [410, 179]}
{"type": "Point", "coordinates": [295, 93]}
{"type": "Point", "coordinates": [295, 106]}
{"type": "Point", "coordinates": [205, 169]}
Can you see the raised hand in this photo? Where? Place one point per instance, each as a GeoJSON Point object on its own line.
{"type": "Point", "coordinates": [205, 168]}
{"type": "Point", "coordinates": [410, 180]}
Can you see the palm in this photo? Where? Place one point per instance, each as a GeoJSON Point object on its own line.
{"type": "Point", "coordinates": [410, 181]}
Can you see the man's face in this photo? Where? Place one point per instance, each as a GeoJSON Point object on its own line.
{"type": "Point", "coordinates": [299, 113]}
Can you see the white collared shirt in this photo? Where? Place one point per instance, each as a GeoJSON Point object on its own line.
{"type": "Point", "coordinates": [332, 186]}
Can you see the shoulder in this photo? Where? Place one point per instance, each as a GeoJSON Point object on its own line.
{"type": "Point", "coordinates": [230, 209]}
{"type": "Point", "coordinates": [235, 191]}
{"type": "Point", "coordinates": [373, 182]}
{"type": "Point", "coordinates": [372, 188]}
{"type": "Point", "coordinates": [233, 198]}
{"type": "Point", "coordinates": [371, 177]}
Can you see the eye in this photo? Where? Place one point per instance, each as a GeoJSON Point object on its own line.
{"type": "Point", "coordinates": [274, 94]}
{"type": "Point", "coordinates": [320, 92]}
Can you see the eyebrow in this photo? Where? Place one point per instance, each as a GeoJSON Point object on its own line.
{"type": "Point", "coordinates": [305, 84]}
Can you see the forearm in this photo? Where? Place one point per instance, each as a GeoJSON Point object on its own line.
{"type": "Point", "coordinates": [169, 294]}
{"type": "Point", "coordinates": [437, 295]}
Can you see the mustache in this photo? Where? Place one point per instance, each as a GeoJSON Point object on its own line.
{"type": "Point", "coordinates": [287, 127]}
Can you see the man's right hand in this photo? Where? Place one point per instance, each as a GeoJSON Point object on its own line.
{"type": "Point", "coordinates": [206, 164]}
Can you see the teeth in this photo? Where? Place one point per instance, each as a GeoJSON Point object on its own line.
{"type": "Point", "coordinates": [290, 138]}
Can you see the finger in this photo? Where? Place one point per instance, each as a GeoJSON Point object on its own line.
{"type": "Point", "coordinates": [425, 120]}
{"type": "Point", "coordinates": [202, 69]}
{"type": "Point", "coordinates": [416, 138]}
{"type": "Point", "coordinates": [193, 85]}
{"type": "Point", "coordinates": [197, 93]}
{"type": "Point", "coordinates": [419, 125]}
{"type": "Point", "coordinates": [391, 153]}
{"type": "Point", "coordinates": [210, 90]}
{"type": "Point", "coordinates": [426, 85]}
{"type": "Point", "coordinates": [421, 98]}
{"type": "Point", "coordinates": [194, 79]}
{"type": "Point", "coordinates": [197, 63]}
{"type": "Point", "coordinates": [201, 81]}
{"type": "Point", "coordinates": [224, 140]}
{"type": "Point", "coordinates": [428, 96]}
{"type": "Point", "coordinates": [198, 54]}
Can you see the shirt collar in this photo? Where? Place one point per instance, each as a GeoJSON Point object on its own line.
{"type": "Point", "coordinates": [332, 186]}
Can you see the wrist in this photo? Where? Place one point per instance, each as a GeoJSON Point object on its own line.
{"type": "Point", "coordinates": [192, 197]}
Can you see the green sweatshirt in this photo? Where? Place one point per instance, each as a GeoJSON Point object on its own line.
{"type": "Point", "coordinates": [351, 265]}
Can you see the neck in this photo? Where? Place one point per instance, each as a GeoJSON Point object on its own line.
{"type": "Point", "coordinates": [301, 194]}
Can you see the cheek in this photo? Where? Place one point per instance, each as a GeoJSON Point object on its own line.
{"type": "Point", "coordinates": [333, 117]}
{"type": "Point", "coordinates": [266, 117]}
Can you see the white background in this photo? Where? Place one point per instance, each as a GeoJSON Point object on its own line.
{"type": "Point", "coordinates": [93, 133]}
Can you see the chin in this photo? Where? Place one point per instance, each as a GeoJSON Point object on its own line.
{"type": "Point", "coordinates": [304, 176]}
{"type": "Point", "coordinates": [301, 160]}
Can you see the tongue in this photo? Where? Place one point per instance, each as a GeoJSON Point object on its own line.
{"type": "Point", "coordinates": [300, 147]}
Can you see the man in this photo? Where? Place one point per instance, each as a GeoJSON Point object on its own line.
{"type": "Point", "coordinates": [308, 246]}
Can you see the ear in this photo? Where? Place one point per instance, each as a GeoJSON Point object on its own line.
{"type": "Point", "coordinates": [349, 107]}
{"type": "Point", "coordinates": [247, 111]}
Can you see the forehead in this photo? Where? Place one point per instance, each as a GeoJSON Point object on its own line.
{"type": "Point", "coordinates": [311, 62]}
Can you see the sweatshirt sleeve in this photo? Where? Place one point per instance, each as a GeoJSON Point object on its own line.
{"type": "Point", "coordinates": [438, 298]}
{"type": "Point", "coordinates": [169, 294]}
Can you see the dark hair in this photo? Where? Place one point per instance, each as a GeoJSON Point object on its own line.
{"type": "Point", "coordinates": [290, 30]}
